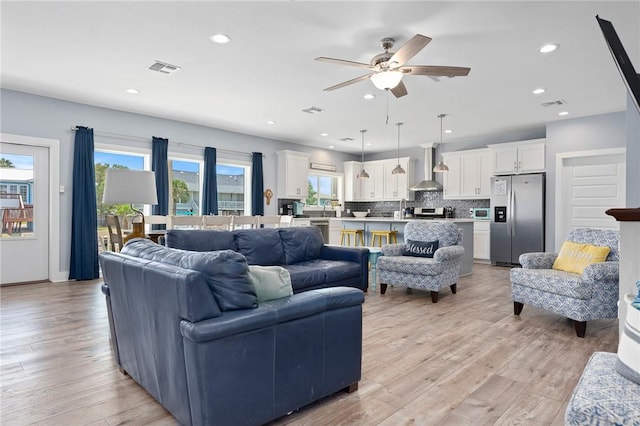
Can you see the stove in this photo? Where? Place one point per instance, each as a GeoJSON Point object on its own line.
{"type": "Point", "coordinates": [429, 212]}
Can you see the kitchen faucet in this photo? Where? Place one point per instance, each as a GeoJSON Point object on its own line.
{"type": "Point", "coordinates": [324, 206]}
{"type": "Point", "coordinates": [402, 209]}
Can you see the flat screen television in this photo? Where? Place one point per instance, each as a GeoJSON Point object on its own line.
{"type": "Point", "coordinates": [629, 75]}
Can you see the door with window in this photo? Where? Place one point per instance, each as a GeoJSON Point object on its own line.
{"type": "Point", "coordinates": [24, 209]}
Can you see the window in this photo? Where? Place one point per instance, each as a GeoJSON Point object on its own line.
{"type": "Point", "coordinates": [185, 187]}
{"type": "Point", "coordinates": [234, 192]}
{"type": "Point", "coordinates": [324, 188]}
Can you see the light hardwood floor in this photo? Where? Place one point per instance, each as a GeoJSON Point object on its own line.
{"type": "Point", "coordinates": [466, 360]}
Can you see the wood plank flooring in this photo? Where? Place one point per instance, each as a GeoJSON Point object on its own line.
{"type": "Point", "coordinates": [466, 360]}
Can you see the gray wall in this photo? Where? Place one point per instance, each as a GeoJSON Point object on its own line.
{"type": "Point", "coordinates": [633, 154]}
{"type": "Point", "coordinates": [29, 115]}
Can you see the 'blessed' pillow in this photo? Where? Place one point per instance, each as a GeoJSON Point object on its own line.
{"type": "Point", "coordinates": [420, 248]}
{"type": "Point", "coordinates": [574, 257]}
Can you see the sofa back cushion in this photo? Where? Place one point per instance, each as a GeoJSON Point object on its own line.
{"type": "Point", "coordinates": [200, 239]}
{"type": "Point", "coordinates": [226, 272]}
{"type": "Point", "coordinates": [301, 243]}
{"type": "Point", "coordinates": [598, 237]}
{"type": "Point", "coordinates": [260, 246]}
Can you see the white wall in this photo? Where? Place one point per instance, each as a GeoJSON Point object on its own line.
{"type": "Point", "coordinates": [31, 115]}
{"type": "Point", "coordinates": [633, 154]}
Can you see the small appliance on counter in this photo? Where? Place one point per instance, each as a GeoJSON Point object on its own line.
{"type": "Point", "coordinates": [449, 212]}
{"type": "Point", "coordinates": [429, 212]}
{"type": "Point", "coordinates": [480, 213]}
{"type": "Point", "coordinates": [297, 209]}
{"type": "Point", "coordinates": [408, 212]}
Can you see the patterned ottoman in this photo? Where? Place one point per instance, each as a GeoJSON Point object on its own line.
{"type": "Point", "coordinates": [602, 396]}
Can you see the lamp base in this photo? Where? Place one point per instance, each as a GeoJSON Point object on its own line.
{"type": "Point", "coordinates": [137, 230]}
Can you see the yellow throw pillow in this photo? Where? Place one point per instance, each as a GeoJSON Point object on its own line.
{"type": "Point", "coordinates": [574, 257]}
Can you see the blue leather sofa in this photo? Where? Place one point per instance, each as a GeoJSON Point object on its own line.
{"type": "Point", "coordinates": [300, 250]}
{"type": "Point", "coordinates": [187, 328]}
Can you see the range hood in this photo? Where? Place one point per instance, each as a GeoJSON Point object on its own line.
{"type": "Point", "coordinates": [428, 184]}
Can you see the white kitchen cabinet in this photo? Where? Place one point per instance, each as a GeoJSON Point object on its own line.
{"type": "Point", "coordinates": [481, 240]}
{"type": "Point", "coordinates": [519, 157]}
{"type": "Point", "coordinates": [293, 179]}
{"type": "Point", "coordinates": [352, 185]}
{"type": "Point", "coordinates": [396, 187]}
{"type": "Point", "coordinates": [373, 186]}
{"type": "Point", "coordinates": [476, 169]}
{"type": "Point", "coordinates": [451, 180]}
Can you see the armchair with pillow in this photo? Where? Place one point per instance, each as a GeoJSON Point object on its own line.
{"type": "Point", "coordinates": [429, 259]}
{"type": "Point", "coordinates": [580, 282]}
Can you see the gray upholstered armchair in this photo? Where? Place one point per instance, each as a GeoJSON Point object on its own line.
{"type": "Point", "coordinates": [424, 273]}
{"type": "Point", "coordinates": [580, 297]}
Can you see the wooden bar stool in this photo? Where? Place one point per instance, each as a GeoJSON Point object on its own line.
{"type": "Point", "coordinates": [391, 237]}
{"type": "Point", "coordinates": [358, 236]}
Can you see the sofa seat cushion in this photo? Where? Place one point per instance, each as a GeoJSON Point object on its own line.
{"type": "Point", "coordinates": [410, 265]}
{"type": "Point", "coordinates": [261, 246]}
{"type": "Point", "coordinates": [553, 281]}
{"type": "Point", "coordinates": [226, 272]}
{"type": "Point", "coordinates": [303, 276]}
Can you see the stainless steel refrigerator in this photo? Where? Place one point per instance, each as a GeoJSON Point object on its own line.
{"type": "Point", "coordinates": [517, 217]}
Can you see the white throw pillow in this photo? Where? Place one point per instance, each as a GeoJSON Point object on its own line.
{"type": "Point", "coordinates": [628, 363]}
{"type": "Point", "coordinates": [270, 282]}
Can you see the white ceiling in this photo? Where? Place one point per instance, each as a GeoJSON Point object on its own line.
{"type": "Point", "coordinates": [90, 52]}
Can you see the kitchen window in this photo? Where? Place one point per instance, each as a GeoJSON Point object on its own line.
{"type": "Point", "coordinates": [324, 188]}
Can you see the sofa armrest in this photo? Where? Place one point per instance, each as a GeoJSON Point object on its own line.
{"type": "Point", "coordinates": [448, 253]}
{"type": "Point", "coordinates": [602, 271]}
{"type": "Point", "coordinates": [351, 254]}
{"type": "Point", "coordinates": [537, 260]}
{"type": "Point", "coordinates": [270, 313]}
{"type": "Point", "coordinates": [393, 249]}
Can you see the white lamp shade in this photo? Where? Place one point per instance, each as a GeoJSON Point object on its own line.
{"type": "Point", "coordinates": [123, 186]}
{"type": "Point", "coordinates": [386, 79]}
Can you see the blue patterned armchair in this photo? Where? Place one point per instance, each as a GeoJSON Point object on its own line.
{"type": "Point", "coordinates": [592, 295]}
{"type": "Point", "coordinates": [433, 274]}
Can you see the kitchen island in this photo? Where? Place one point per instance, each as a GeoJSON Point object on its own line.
{"type": "Point", "coordinates": [368, 224]}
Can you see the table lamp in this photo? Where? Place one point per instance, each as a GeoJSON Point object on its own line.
{"type": "Point", "coordinates": [131, 186]}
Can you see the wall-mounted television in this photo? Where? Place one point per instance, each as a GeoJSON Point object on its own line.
{"type": "Point", "coordinates": [627, 71]}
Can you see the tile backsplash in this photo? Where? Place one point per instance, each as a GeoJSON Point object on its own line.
{"type": "Point", "coordinates": [423, 199]}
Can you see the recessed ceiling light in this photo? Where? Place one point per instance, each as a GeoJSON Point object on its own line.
{"type": "Point", "coordinates": [563, 113]}
{"type": "Point", "coordinates": [271, 122]}
{"type": "Point", "coordinates": [324, 134]}
{"type": "Point", "coordinates": [539, 90]}
{"type": "Point", "coordinates": [331, 147]}
{"type": "Point", "coordinates": [448, 131]}
{"type": "Point", "coordinates": [368, 144]}
{"type": "Point", "coordinates": [220, 38]}
{"type": "Point", "coordinates": [547, 48]}
{"type": "Point", "coordinates": [132, 91]}
{"type": "Point", "coordinates": [369, 96]}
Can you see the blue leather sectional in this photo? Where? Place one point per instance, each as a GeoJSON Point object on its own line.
{"type": "Point", "coordinates": [186, 326]}
{"type": "Point", "coordinates": [301, 250]}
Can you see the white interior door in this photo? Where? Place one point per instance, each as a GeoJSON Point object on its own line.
{"type": "Point", "coordinates": [588, 184]}
{"type": "Point", "coordinates": [24, 201]}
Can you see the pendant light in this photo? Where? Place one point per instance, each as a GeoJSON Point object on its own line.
{"type": "Point", "coordinates": [363, 174]}
{"type": "Point", "coordinates": [398, 169]}
{"type": "Point", "coordinates": [441, 167]}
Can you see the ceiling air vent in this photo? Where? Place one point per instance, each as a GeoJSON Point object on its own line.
{"type": "Point", "coordinates": [163, 67]}
{"type": "Point", "coordinates": [553, 103]}
{"type": "Point", "coordinates": [313, 110]}
{"type": "Point", "coordinates": [346, 139]}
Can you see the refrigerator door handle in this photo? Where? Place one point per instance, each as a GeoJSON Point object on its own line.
{"type": "Point", "coordinates": [512, 212]}
{"type": "Point", "coordinates": [509, 213]}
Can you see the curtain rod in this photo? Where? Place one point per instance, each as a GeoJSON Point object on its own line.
{"type": "Point", "coordinates": [147, 139]}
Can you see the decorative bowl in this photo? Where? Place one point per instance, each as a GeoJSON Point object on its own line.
{"type": "Point", "coordinates": [360, 214]}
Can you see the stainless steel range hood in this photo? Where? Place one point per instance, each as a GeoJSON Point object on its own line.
{"type": "Point", "coordinates": [428, 184]}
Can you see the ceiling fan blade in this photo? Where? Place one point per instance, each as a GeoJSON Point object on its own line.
{"type": "Point", "coordinates": [400, 90]}
{"type": "Point", "coordinates": [344, 62]}
{"type": "Point", "coordinates": [435, 70]}
{"type": "Point", "coordinates": [409, 50]}
{"type": "Point", "coordinates": [348, 82]}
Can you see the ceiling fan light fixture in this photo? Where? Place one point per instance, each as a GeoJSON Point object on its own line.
{"type": "Point", "coordinates": [384, 80]}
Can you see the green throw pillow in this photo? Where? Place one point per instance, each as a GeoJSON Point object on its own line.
{"type": "Point", "coordinates": [271, 282]}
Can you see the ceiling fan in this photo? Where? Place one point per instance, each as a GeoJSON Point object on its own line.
{"type": "Point", "coordinates": [387, 69]}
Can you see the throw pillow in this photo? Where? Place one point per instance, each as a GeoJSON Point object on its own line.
{"type": "Point", "coordinates": [628, 362]}
{"type": "Point", "coordinates": [574, 257]}
{"type": "Point", "coordinates": [270, 282]}
{"type": "Point", "coordinates": [420, 248]}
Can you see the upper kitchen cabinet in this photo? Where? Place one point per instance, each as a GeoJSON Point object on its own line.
{"type": "Point", "coordinates": [293, 169]}
{"type": "Point", "coordinates": [373, 186]}
{"type": "Point", "coordinates": [469, 175]}
{"type": "Point", "coordinates": [352, 185]}
{"type": "Point", "coordinates": [396, 187]}
{"type": "Point", "coordinates": [519, 157]}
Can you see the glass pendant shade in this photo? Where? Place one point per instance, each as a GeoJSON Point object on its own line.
{"type": "Point", "coordinates": [398, 169]}
{"type": "Point", "coordinates": [363, 174]}
{"type": "Point", "coordinates": [384, 80]}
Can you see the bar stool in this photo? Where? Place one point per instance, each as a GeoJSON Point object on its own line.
{"type": "Point", "coordinates": [391, 237]}
{"type": "Point", "coordinates": [358, 235]}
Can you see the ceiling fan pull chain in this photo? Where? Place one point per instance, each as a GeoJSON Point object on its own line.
{"type": "Point", "coordinates": [387, 122]}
